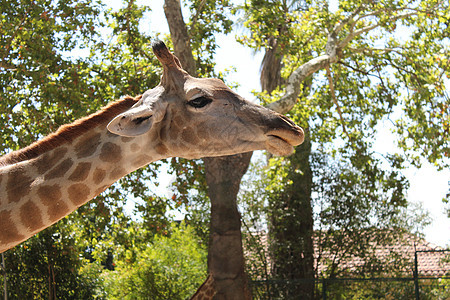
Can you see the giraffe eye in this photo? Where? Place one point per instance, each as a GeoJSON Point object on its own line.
{"type": "Point", "coordinates": [199, 102]}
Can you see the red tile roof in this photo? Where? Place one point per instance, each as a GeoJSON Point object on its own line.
{"type": "Point", "coordinates": [402, 247]}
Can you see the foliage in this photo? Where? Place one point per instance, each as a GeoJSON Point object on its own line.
{"type": "Point", "coordinates": [38, 81]}
{"type": "Point", "coordinates": [381, 74]}
{"type": "Point", "coordinates": [350, 198]}
{"type": "Point", "coordinates": [62, 60]}
{"type": "Point", "coordinates": [170, 267]}
{"type": "Point", "coordinates": [277, 19]}
{"type": "Point", "coordinates": [207, 19]}
{"type": "Point", "coordinates": [48, 266]}
{"type": "Point", "coordinates": [446, 200]}
{"type": "Point", "coordinates": [347, 202]}
{"type": "Point", "coordinates": [380, 70]}
{"type": "Point", "coordinates": [441, 291]}
{"type": "Point", "coordinates": [372, 72]}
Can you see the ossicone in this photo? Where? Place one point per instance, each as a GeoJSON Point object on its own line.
{"type": "Point", "coordinates": [167, 59]}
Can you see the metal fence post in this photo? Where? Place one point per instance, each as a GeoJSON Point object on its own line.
{"type": "Point", "coordinates": [416, 274]}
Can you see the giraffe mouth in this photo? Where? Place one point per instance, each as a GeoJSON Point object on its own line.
{"type": "Point", "coordinates": [282, 142]}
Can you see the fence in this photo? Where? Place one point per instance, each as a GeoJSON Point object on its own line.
{"type": "Point", "coordinates": [355, 288]}
{"type": "Point", "coordinates": [401, 288]}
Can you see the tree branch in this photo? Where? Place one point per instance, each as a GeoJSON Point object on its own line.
{"type": "Point", "coordinates": [338, 27]}
{"type": "Point", "coordinates": [289, 99]}
{"type": "Point", "coordinates": [356, 33]}
{"type": "Point", "coordinates": [333, 96]}
{"type": "Point", "coordinates": [197, 13]}
{"type": "Point", "coordinates": [368, 49]}
{"type": "Point", "coordinates": [6, 66]}
{"type": "Point", "coordinates": [332, 53]}
{"type": "Point", "coordinates": [179, 34]}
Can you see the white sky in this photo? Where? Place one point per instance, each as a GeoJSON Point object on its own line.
{"type": "Point", "coordinates": [427, 185]}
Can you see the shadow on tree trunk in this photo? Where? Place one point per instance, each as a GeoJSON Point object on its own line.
{"type": "Point", "coordinates": [226, 257]}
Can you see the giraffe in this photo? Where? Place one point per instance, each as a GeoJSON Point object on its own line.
{"type": "Point", "coordinates": [183, 116]}
{"type": "Point", "coordinates": [206, 291]}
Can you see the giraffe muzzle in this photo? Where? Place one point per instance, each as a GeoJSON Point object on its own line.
{"type": "Point", "coordinates": [283, 136]}
{"type": "Point", "coordinates": [282, 141]}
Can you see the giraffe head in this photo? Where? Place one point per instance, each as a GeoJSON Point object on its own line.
{"type": "Point", "coordinates": [199, 117]}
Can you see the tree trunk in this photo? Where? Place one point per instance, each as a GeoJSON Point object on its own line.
{"type": "Point", "coordinates": [270, 77]}
{"type": "Point", "coordinates": [290, 214]}
{"type": "Point", "coordinates": [226, 257]}
{"type": "Point", "coordinates": [223, 176]}
{"type": "Point", "coordinates": [291, 228]}
{"type": "Point", "coordinates": [180, 37]}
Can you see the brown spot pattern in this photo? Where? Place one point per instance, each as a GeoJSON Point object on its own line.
{"type": "Point", "coordinates": [81, 172]}
{"type": "Point", "coordinates": [9, 233]}
{"type": "Point", "coordinates": [99, 175]}
{"type": "Point", "coordinates": [110, 153]}
{"type": "Point", "coordinates": [78, 193]}
{"type": "Point", "coordinates": [31, 217]}
{"type": "Point", "coordinates": [51, 197]}
{"type": "Point", "coordinates": [161, 149]}
{"type": "Point", "coordinates": [173, 134]}
{"type": "Point", "coordinates": [126, 139]}
{"type": "Point", "coordinates": [117, 173]}
{"type": "Point", "coordinates": [135, 147]}
{"type": "Point", "coordinates": [203, 131]}
{"type": "Point", "coordinates": [178, 120]}
{"type": "Point", "coordinates": [59, 170]}
{"type": "Point", "coordinates": [46, 161]}
{"type": "Point", "coordinates": [87, 146]}
{"type": "Point", "coordinates": [18, 185]}
{"type": "Point", "coordinates": [142, 160]}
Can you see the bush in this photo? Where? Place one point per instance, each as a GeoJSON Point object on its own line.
{"type": "Point", "coordinates": [172, 267]}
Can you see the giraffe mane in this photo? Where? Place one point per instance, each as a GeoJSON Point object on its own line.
{"type": "Point", "coordinates": [67, 133]}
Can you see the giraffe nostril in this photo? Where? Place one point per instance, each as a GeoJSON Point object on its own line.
{"type": "Point", "coordinates": [288, 121]}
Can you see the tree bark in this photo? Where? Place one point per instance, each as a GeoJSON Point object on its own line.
{"type": "Point", "coordinates": [290, 214]}
{"type": "Point", "coordinates": [226, 258]}
{"type": "Point", "coordinates": [180, 36]}
{"type": "Point", "coordinates": [270, 77]}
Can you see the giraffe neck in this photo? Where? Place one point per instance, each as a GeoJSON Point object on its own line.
{"type": "Point", "coordinates": [207, 290]}
{"type": "Point", "coordinates": [37, 192]}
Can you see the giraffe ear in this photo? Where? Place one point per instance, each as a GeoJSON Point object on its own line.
{"type": "Point", "coordinates": [138, 119]}
{"type": "Point", "coordinates": [131, 123]}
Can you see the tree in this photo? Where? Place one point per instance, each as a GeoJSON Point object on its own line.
{"type": "Point", "coordinates": [48, 267]}
{"type": "Point", "coordinates": [33, 70]}
{"type": "Point", "coordinates": [351, 217]}
{"type": "Point", "coordinates": [361, 73]}
{"type": "Point", "coordinates": [346, 28]}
